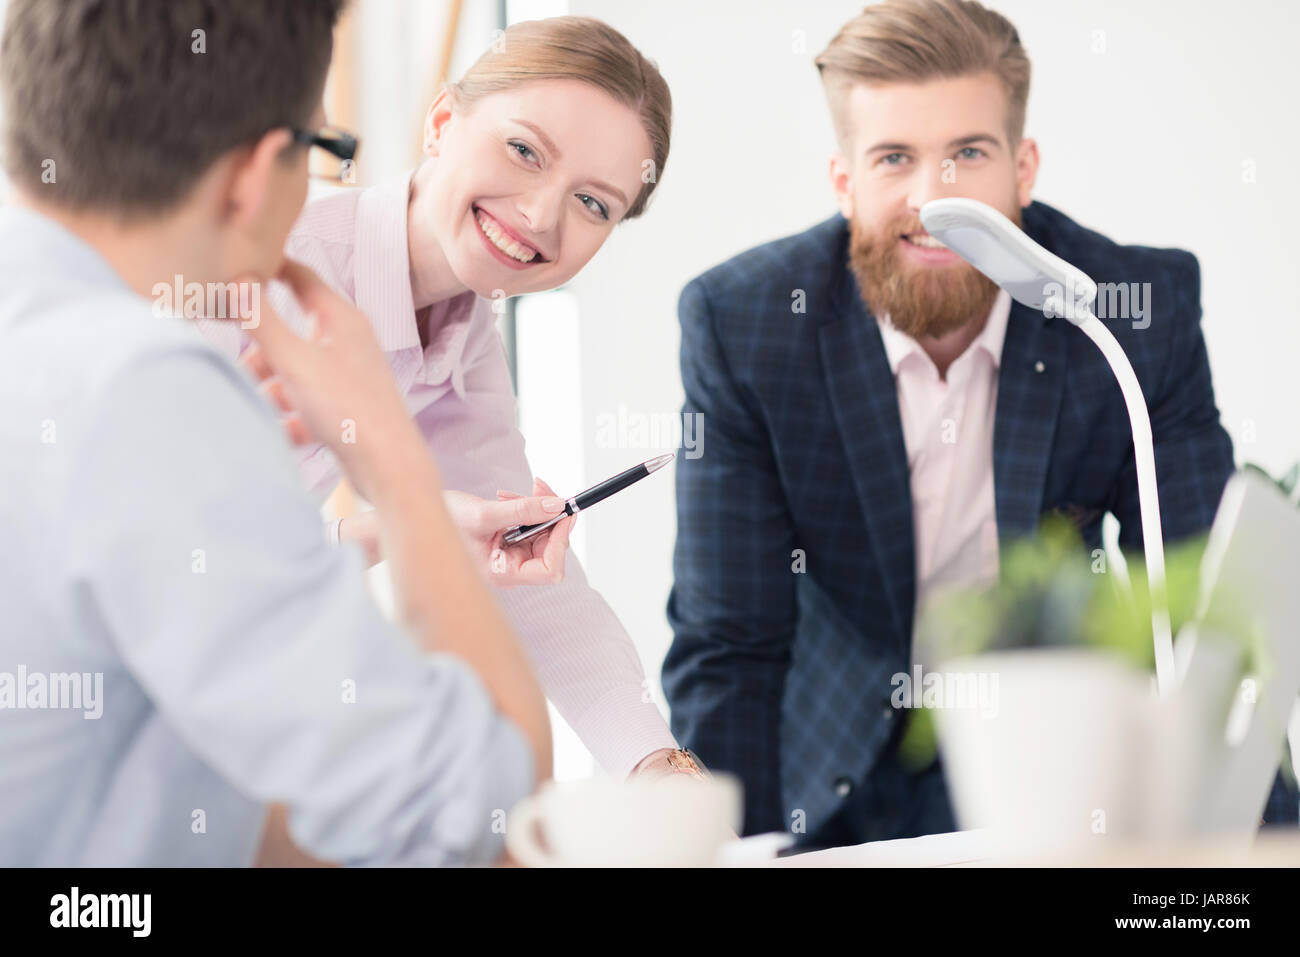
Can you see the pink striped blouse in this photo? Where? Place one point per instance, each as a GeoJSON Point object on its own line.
{"type": "Point", "coordinates": [459, 392]}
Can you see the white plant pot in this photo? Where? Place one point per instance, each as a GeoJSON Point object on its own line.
{"type": "Point", "coordinates": [1058, 763]}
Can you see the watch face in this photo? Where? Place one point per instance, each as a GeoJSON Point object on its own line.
{"type": "Point", "coordinates": [685, 760]}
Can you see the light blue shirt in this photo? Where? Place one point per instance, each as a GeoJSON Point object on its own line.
{"type": "Point", "coordinates": [156, 542]}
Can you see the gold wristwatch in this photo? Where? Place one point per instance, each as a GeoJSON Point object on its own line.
{"type": "Point", "coordinates": [684, 761]}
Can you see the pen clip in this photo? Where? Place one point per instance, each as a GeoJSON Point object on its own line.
{"type": "Point", "coordinates": [522, 533]}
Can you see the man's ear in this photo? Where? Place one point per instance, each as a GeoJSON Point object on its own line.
{"type": "Point", "coordinates": [256, 177]}
{"type": "Point", "coordinates": [435, 122]}
{"type": "Point", "coordinates": [842, 183]}
{"type": "Point", "coordinates": [1026, 171]}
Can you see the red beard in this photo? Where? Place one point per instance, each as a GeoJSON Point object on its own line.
{"type": "Point", "coordinates": [919, 300]}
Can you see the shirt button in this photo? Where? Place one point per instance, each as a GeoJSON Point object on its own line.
{"type": "Point", "coordinates": [1038, 366]}
{"type": "Point", "coordinates": [843, 787]}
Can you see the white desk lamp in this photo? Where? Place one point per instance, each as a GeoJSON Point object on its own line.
{"type": "Point", "coordinates": [1035, 277]}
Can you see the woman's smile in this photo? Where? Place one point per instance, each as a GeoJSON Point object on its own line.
{"type": "Point", "coordinates": [504, 243]}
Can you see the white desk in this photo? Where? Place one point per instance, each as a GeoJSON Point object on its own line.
{"type": "Point", "coordinates": [956, 849]}
{"type": "Point", "coordinates": [972, 849]}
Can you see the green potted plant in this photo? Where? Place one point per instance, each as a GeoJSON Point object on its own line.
{"type": "Point", "coordinates": [1067, 641]}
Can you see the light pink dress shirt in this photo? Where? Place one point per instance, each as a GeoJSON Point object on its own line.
{"type": "Point", "coordinates": [458, 391]}
{"type": "Point", "coordinates": [948, 433]}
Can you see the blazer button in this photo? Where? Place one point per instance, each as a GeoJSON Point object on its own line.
{"type": "Point", "coordinates": [843, 787]}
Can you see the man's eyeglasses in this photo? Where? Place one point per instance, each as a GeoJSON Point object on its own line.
{"type": "Point", "coordinates": [336, 142]}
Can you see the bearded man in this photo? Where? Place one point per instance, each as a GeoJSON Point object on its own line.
{"type": "Point", "coordinates": [882, 419]}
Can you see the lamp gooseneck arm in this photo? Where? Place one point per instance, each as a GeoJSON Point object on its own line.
{"type": "Point", "coordinates": [1148, 498]}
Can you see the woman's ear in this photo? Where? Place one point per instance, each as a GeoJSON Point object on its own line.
{"type": "Point", "coordinates": [435, 122]}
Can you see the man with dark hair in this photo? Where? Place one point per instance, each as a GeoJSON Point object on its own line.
{"type": "Point", "coordinates": [134, 101]}
{"type": "Point", "coordinates": [186, 648]}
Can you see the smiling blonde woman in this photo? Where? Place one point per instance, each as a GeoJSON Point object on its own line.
{"type": "Point", "coordinates": [552, 138]}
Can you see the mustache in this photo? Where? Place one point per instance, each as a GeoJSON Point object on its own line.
{"type": "Point", "coordinates": [918, 301]}
{"type": "Point", "coordinates": [893, 230]}
{"type": "Point", "coordinates": [907, 226]}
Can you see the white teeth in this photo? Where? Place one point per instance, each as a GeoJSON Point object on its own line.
{"type": "Point", "coordinates": [929, 242]}
{"type": "Point", "coordinates": [502, 241]}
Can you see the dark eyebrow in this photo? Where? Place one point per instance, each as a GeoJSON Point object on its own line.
{"type": "Point", "coordinates": [968, 140]}
{"type": "Point", "coordinates": [549, 145]}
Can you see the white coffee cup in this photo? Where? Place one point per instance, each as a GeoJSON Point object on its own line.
{"type": "Point", "coordinates": [677, 821]}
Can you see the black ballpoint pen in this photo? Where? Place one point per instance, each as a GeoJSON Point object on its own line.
{"type": "Point", "coordinates": [590, 497]}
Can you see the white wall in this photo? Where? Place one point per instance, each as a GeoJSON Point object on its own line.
{"type": "Point", "coordinates": [1145, 141]}
{"type": "Point", "coordinates": [399, 43]}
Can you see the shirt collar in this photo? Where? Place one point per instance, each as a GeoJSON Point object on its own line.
{"type": "Point", "coordinates": [899, 345]}
{"type": "Point", "coordinates": [994, 332]}
{"type": "Point", "coordinates": [32, 244]}
{"type": "Point", "coordinates": [382, 279]}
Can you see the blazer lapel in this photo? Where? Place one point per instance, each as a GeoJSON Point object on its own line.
{"type": "Point", "coordinates": [1031, 381]}
{"type": "Point", "coordinates": [864, 401]}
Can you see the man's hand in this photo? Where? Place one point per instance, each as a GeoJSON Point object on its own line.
{"type": "Point", "coordinates": [335, 386]}
{"type": "Point", "coordinates": [482, 525]}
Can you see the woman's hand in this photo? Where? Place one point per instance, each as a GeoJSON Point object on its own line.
{"type": "Point", "coordinates": [536, 561]}
{"type": "Point", "coordinates": [483, 524]}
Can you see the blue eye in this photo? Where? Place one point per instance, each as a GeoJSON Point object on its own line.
{"type": "Point", "coordinates": [970, 149]}
{"type": "Point", "coordinates": [593, 204]}
{"type": "Point", "coordinates": [889, 156]}
{"type": "Point", "coordinates": [524, 150]}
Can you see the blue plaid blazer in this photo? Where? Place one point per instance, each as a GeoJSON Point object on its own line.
{"type": "Point", "coordinates": [783, 678]}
